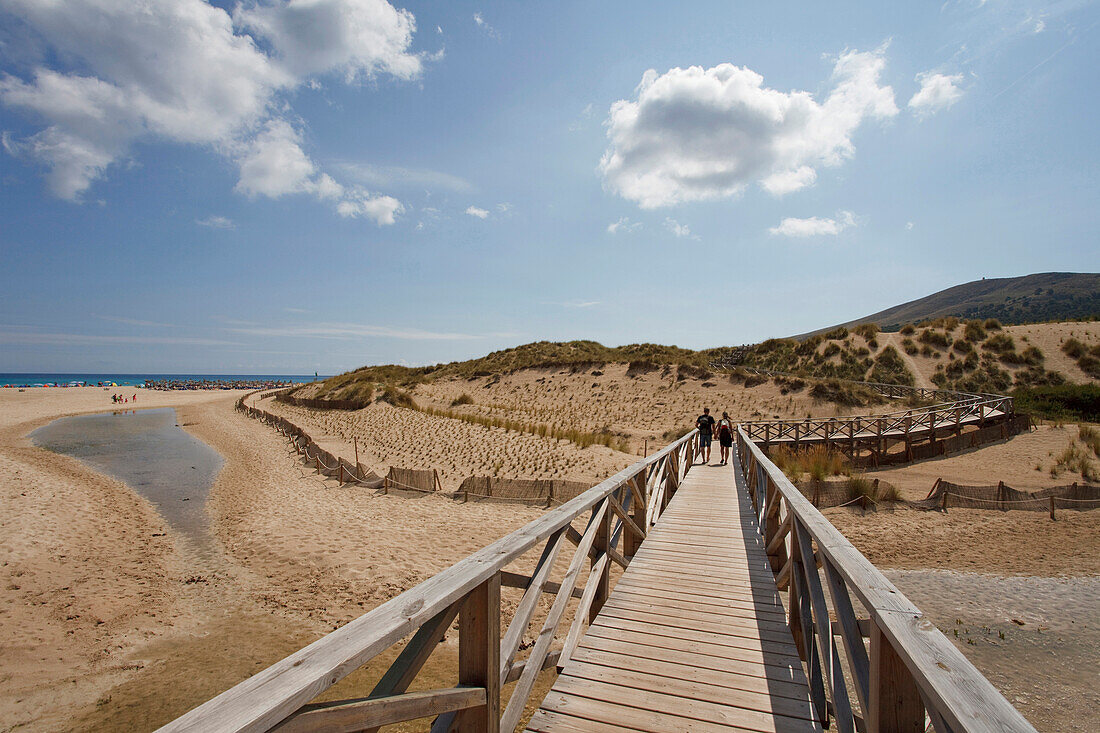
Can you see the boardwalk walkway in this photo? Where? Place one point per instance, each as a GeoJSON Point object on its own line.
{"type": "Point", "coordinates": [693, 636]}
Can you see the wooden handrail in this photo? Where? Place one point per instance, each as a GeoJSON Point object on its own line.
{"type": "Point", "coordinates": [911, 668]}
{"type": "Point", "coordinates": [275, 694]}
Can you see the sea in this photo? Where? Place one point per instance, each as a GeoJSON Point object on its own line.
{"type": "Point", "coordinates": [139, 380]}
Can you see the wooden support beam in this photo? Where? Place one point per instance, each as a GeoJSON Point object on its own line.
{"type": "Point", "coordinates": [510, 579]}
{"type": "Point", "coordinates": [479, 656]}
{"type": "Point", "coordinates": [371, 713]}
{"type": "Point", "coordinates": [895, 703]}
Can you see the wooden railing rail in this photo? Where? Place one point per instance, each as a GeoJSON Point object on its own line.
{"type": "Point", "coordinates": [622, 509]}
{"type": "Point", "coordinates": [902, 672]}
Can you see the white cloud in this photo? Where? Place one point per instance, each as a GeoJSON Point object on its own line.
{"type": "Point", "coordinates": [273, 164]}
{"type": "Point", "coordinates": [623, 225]}
{"type": "Point", "coordinates": [814, 226]}
{"type": "Point", "coordinates": [479, 213]}
{"type": "Point", "coordinates": [216, 222]}
{"type": "Point", "coordinates": [908, 226]}
{"type": "Point", "coordinates": [504, 207]}
{"type": "Point", "coordinates": [383, 210]}
{"type": "Point", "coordinates": [211, 83]}
{"type": "Point", "coordinates": [937, 91]}
{"type": "Point", "coordinates": [479, 20]}
{"type": "Point", "coordinates": [359, 38]}
{"type": "Point", "coordinates": [680, 230]}
{"type": "Point", "coordinates": [695, 134]}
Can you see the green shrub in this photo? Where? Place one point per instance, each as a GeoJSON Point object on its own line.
{"type": "Point", "coordinates": [907, 330]}
{"type": "Point", "coordinates": [1078, 402]}
{"type": "Point", "coordinates": [890, 368]}
{"type": "Point", "coordinates": [837, 334]}
{"type": "Point", "coordinates": [1090, 365]}
{"type": "Point", "coordinates": [992, 324]}
{"type": "Point", "coordinates": [866, 330]}
{"type": "Point", "coordinates": [974, 332]}
{"type": "Point", "coordinates": [398, 398]}
{"type": "Point", "coordinates": [909, 345]}
{"type": "Point", "coordinates": [844, 393]}
{"type": "Point", "coordinates": [999, 343]}
{"type": "Point", "coordinates": [462, 399]}
{"type": "Point", "coordinates": [1074, 349]}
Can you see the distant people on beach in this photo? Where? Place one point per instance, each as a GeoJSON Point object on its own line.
{"type": "Point", "coordinates": [705, 423]}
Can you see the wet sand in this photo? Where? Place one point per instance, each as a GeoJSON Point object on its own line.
{"type": "Point", "coordinates": [1036, 639]}
{"type": "Point", "coordinates": [110, 622]}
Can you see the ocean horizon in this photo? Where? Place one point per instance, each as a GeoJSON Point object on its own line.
{"type": "Point", "coordinates": [43, 379]}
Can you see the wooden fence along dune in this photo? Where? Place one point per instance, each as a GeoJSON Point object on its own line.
{"type": "Point", "coordinates": [734, 536]}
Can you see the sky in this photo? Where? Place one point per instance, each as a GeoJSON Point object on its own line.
{"type": "Point", "coordinates": [282, 187]}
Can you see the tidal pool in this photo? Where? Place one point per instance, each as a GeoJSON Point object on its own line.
{"type": "Point", "coordinates": [151, 453]}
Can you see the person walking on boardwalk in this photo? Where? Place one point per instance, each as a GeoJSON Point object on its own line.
{"type": "Point", "coordinates": [725, 437]}
{"type": "Point", "coordinates": [705, 423]}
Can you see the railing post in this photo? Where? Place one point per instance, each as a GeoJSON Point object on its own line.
{"type": "Point", "coordinates": [632, 542]}
{"type": "Point", "coordinates": [479, 656]}
{"type": "Point", "coordinates": [895, 704]}
{"type": "Point", "coordinates": [600, 545]}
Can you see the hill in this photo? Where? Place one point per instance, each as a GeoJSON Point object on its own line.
{"type": "Point", "coordinates": [358, 384]}
{"type": "Point", "coordinates": [1047, 296]}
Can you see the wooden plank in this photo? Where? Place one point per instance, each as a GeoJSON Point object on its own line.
{"type": "Point", "coordinates": [702, 711]}
{"type": "Point", "coordinates": [665, 668]}
{"type": "Point", "coordinates": [603, 712]}
{"type": "Point", "coordinates": [724, 640]}
{"type": "Point", "coordinates": [661, 603]}
{"type": "Point", "coordinates": [693, 689]}
{"type": "Point", "coordinates": [776, 633]}
{"type": "Point", "coordinates": [716, 661]}
{"type": "Point", "coordinates": [354, 715]}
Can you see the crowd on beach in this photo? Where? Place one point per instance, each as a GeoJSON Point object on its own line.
{"type": "Point", "coordinates": [119, 399]}
{"type": "Point", "coordinates": [178, 384]}
{"type": "Point", "coordinates": [169, 384]}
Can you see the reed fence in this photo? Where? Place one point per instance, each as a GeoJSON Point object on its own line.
{"type": "Point", "coordinates": [1076, 497]}
{"type": "Point", "coordinates": [902, 673]}
{"type": "Point", "coordinates": [620, 512]}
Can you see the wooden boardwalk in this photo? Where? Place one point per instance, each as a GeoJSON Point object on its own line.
{"type": "Point", "coordinates": [693, 637]}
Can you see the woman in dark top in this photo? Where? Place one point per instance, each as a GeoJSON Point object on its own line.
{"type": "Point", "coordinates": [725, 437]}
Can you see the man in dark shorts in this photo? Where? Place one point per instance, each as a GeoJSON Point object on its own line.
{"type": "Point", "coordinates": [705, 423]}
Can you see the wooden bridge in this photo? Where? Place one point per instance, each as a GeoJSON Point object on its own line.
{"type": "Point", "coordinates": [941, 414]}
{"type": "Point", "coordinates": [736, 606]}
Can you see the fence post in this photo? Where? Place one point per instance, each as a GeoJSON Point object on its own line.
{"type": "Point", "coordinates": [600, 545]}
{"type": "Point", "coordinates": [895, 701]}
{"type": "Point", "coordinates": [1052, 509]}
{"type": "Point", "coordinates": [479, 655]}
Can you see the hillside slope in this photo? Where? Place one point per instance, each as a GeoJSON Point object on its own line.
{"type": "Point", "coordinates": [1046, 296]}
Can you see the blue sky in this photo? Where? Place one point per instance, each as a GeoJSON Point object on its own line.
{"type": "Point", "coordinates": [273, 187]}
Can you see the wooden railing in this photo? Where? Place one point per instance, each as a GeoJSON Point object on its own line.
{"type": "Point", "coordinates": [622, 509]}
{"type": "Point", "coordinates": [902, 674]}
{"type": "Point", "coordinates": [950, 410]}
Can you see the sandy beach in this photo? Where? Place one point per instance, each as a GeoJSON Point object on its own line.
{"type": "Point", "coordinates": [114, 622]}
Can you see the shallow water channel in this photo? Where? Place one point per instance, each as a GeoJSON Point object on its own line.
{"type": "Point", "coordinates": [151, 453]}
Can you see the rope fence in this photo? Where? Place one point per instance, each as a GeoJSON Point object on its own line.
{"type": "Point", "coordinates": [1075, 496]}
